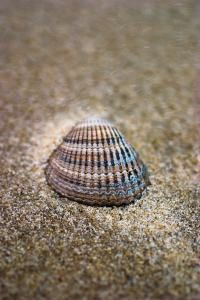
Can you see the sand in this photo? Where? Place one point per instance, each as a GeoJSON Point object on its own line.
{"type": "Point", "coordinates": [135, 63]}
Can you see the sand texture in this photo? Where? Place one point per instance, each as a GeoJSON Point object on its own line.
{"type": "Point", "coordinates": [135, 63]}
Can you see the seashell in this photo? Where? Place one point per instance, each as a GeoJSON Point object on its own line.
{"type": "Point", "coordinates": [95, 165]}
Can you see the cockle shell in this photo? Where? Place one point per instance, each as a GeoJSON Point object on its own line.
{"type": "Point", "coordinates": [95, 165]}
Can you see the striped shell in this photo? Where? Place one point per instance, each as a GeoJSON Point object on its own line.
{"type": "Point", "coordinates": [95, 165]}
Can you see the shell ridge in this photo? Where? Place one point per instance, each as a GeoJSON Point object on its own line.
{"type": "Point", "coordinates": [114, 192]}
{"type": "Point", "coordinates": [60, 168]}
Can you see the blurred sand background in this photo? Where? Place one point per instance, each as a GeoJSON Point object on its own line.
{"type": "Point", "coordinates": [135, 63]}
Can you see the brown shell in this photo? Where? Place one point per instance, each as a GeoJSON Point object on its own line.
{"type": "Point", "coordinates": [95, 165]}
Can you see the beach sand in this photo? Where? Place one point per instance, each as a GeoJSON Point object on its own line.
{"type": "Point", "coordinates": [135, 63]}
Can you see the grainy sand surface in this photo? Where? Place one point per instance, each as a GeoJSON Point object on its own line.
{"type": "Point", "coordinates": [136, 64]}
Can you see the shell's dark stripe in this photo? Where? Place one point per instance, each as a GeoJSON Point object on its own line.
{"type": "Point", "coordinates": [92, 135]}
{"type": "Point", "coordinates": [98, 154]}
{"type": "Point", "coordinates": [94, 144]}
{"type": "Point", "coordinates": [108, 134]}
{"type": "Point", "coordinates": [77, 157]}
{"type": "Point", "coordinates": [94, 150]}
{"type": "Point", "coordinates": [134, 174]}
{"type": "Point", "coordinates": [112, 158]}
{"type": "Point", "coordinates": [101, 136]}
{"type": "Point", "coordinates": [119, 134]}
{"type": "Point", "coordinates": [115, 156]}
{"type": "Point", "coordinates": [80, 156]}
{"type": "Point", "coordinates": [123, 158]}
{"type": "Point", "coordinates": [82, 159]}
{"type": "Point", "coordinates": [73, 135]}
{"type": "Point", "coordinates": [118, 169]}
{"type": "Point", "coordinates": [86, 129]}
{"type": "Point", "coordinates": [73, 138]}
{"type": "Point", "coordinates": [76, 139]}
{"type": "Point", "coordinates": [97, 134]}
{"type": "Point", "coordinates": [71, 177]}
{"type": "Point", "coordinates": [95, 158]}
{"type": "Point", "coordinates": [87, 162]}
{"type": "Point", "coordinates": [86, 156]}
{"type": "Point", "coordinates": [73, 157]}
{"type": "Point", "coordinates": [102, 155]}
{"type": "Point", "coordinates": [127, 149]}
{"type": "Point", "coordinates": [131, 153]}
{"type": "Point", "coordinates": [102, 180]}
{"type": "Point", "coordinates": [107, 159]}
{"type": "Point", "coordinates": [120, 164]}
{"type": "Point", "coordinates": [115, 136]}
{"type": "Point", "coordinates": [97, 128]}
{"type": "Point", "coordinates": [111, 169]}
{"type": "Point", "coordinates": [127, 160]}
{"type": "Point", "coordinates": [109, 138]}
{"type": "Point", "coordinates": [107, 162]}
{"type": "Point", "coordinates": [137, 160]}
